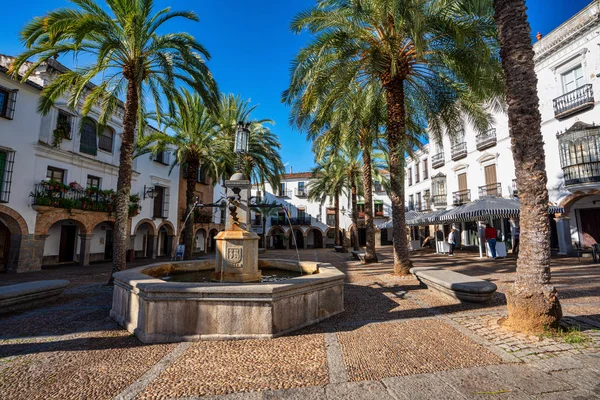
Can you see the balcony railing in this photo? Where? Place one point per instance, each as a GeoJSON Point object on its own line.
{"type": "Point", "coordinates": [486, 140]}
{"type": "Point", "coordinates": [461, 197]}
{"type": "Point", "coordinates": [409, 207]}
{"type": "Point", "coordinates": [305, 220]}
{"type": "Point", "coordinates": [582, 173]}
{"type": "Point", "coordinates": [576, 100]}
{"type": "Point", "coordinates": [491, 190]}
{"type": "Point", "coordinates": [515, 188]}
{"type": "Point", "coordinates": [55, 194]}
{"type": "Point", "coordinates": [440, 200]}
{"type": "Point", "coordinates": [300, 192]}
{"type": "Point", "coordinates": [437, 160]}
{"type": "Point", "coordinates": [285, 193]}
{"type": "Point", "coordinates": [458, 151]}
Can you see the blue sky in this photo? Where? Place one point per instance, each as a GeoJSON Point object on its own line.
{"type": "Point", "coordinates": [251, 48]}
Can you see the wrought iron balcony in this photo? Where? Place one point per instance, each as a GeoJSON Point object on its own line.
{"type": "Point", "coordinates": [575, 101]}
{"type": "Point", "coordinates": [491, 190]}
{"type": "Point", "coordinates": [409, 207]}
{"type": "Point", "coordinates": [515, 188]}
{"type": "Point", "coordinates": [437, 161]}
{"type": "Point", "coordinates": [580, 154]}
{"type": "Point", "coordinates": [300, 192]}
{"type": "Point", "coordinates": [440, 200]}
{"type": "Point", "coordinates": [461, 197]}
{"type": "Point", "coordinates": [486, 140]}
{"type": "Point", "coordinates": [458, 151]}
{"type": "Point", "coordinates": [285, 193]}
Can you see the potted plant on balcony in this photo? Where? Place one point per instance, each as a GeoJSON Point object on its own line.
{"type": "Point", "coordinates": [75, 186]}
{"type": "Point", "coordinates": [61, 132]}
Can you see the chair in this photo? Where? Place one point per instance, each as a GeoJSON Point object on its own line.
{"type": "Point", "coordinates": [581, 251]}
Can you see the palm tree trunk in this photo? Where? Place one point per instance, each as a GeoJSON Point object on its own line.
{"type": "Point", "coordinates": [124, 180]}
{"type": "Point", "coordinates": [396, 130]}
{"type": "Point", "coordinates": [370, 254]}
{"type": "Point", "coordinates": [336, 205]}
{"type": "Point", "coordinates": [192, 178]}
{"type": "Point", "coordinates": [532, 301]}
{"type": "Point", "coordinates": [353, 196]}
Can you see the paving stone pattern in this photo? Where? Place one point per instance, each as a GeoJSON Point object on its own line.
{"type": "Point", "coordinates": [396, 340]}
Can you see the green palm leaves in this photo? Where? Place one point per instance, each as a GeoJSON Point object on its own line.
{"type": "Point", "coordinates": [435, 62]}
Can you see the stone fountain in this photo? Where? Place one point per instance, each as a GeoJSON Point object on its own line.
{"type": "Point", "coordinates": [234, 304]}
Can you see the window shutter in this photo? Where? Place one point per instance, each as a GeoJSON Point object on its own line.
{"type": "Point", "coordinates": [165, 213]}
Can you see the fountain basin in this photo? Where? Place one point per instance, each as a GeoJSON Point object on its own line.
{"type": "Point", "coordinates": [159, 311]}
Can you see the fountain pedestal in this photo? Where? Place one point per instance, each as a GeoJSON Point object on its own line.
{"type": "Point", "coordinates": [237, 256]}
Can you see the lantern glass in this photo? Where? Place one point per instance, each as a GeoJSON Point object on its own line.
{"type": "Point", "coordinates": [241, 139]}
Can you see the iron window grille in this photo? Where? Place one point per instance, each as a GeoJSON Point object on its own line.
{"type": "Point", "coordinates": [105, 142]}
{"type": "Point", "coordinates": [8, 101]}
{"type": "Point", "coordinates": [7, 160]}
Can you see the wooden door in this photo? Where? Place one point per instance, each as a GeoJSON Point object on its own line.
{"type": "Point", "coordinates": [462, 181]}
{"type": "Point", "coordinates": [590, 226]}
{"type": "Point", "coordinates": [68, 234]}
{"type": "Point", "coordinates": [490, 174]}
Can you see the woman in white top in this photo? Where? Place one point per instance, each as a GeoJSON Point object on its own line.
{"type": "Point", "coordinates": [452, 242]}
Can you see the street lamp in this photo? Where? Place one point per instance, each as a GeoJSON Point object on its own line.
{"type": "Point", "coordinates": [241, 138]}
{"type": "Point", "coordinates": [149, 192]}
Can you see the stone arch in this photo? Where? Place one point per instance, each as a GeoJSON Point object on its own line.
{"type": "Point", "coordinates": [573, 198]}
{"type": "Point", "coordinates": [275, 228]}
{"type": "Point", "coordinates": [145, 221]}
{"type": "Point", "coordinates": [168, 226]}
{"type": "Point", "coordinates": [316, 239]}
{"type": "Point", "coordinates": [14, 234]}
{"type": "Point", "coordinates": [327, 232]}
{"type": "Point", "coordinates": [13, 221]}
{"type": "Point", "coordinates": [48, 216]}
{"type": "Point", "coordinates": [67, 241]}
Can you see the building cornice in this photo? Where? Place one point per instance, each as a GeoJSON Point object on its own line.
{"type": "Point", "coordinates": [569, 31]}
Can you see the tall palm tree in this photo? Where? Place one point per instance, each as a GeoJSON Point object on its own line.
{"type": "Point", "coordinates": [532, 301]}
{"type": "Point", "coordinates": [346, 159]}
{"type": "Point", "coordinates": [262, 163]}
{"type": "Point", "coordinates": [353, 119]}
{"type": "Point", "coordinates": [328, 183]}
{"type": "Point", "coordinates": [435, 58]}
{"type": "Point", "coordinates": [195, 144]}
{"type": "Point", "coordinates": [130, 57]}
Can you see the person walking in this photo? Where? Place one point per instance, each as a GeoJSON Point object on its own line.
{"type": "Point", "coordinates": [452, 242]}
{"type": "Point", "coordinates": [490, 236]}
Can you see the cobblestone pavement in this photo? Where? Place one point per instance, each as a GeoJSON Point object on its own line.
{"type": "Point", "coordinates": [396, 340]}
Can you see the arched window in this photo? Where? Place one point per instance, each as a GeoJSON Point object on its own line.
{"type": "Point", "coordinates": [106, 140]}
{"type": "Point", "coordinates": [88, 143]}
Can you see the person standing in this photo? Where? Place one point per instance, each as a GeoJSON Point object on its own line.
{"type": "Point", "coordinates": [490, 236]}
{"type": "Point", "coordinates": [452, 242]}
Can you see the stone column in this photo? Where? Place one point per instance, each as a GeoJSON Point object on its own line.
{"type": "Point", "coordinates": [286, 241]}
{"type": "Point", "coordinates": [26, 253]}
{"type": "Point", "coordinates": [131, 244]}
{"type": "Point", "coordinates": [563, 230]}
{"type": "Point", "coordinates": [305, 241]}
{"type": "Point", "coordinates": [84, 249]}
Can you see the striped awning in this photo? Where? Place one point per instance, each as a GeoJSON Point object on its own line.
{"type": "Point", "coordinates": [492, 207]}
{"type": "Point", "coordinates": [480, 209]}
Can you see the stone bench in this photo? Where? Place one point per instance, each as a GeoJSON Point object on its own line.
{"type": "Point", "coordinates": [23, 295]}
{"type": "Point", "coordinates": [454, 284]}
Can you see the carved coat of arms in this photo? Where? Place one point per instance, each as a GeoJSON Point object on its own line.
{"type": "Point", "coordinates": [234, 256]}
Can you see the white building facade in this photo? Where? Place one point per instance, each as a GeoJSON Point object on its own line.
{"type": "Point", "coordinates": [59, 175]}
